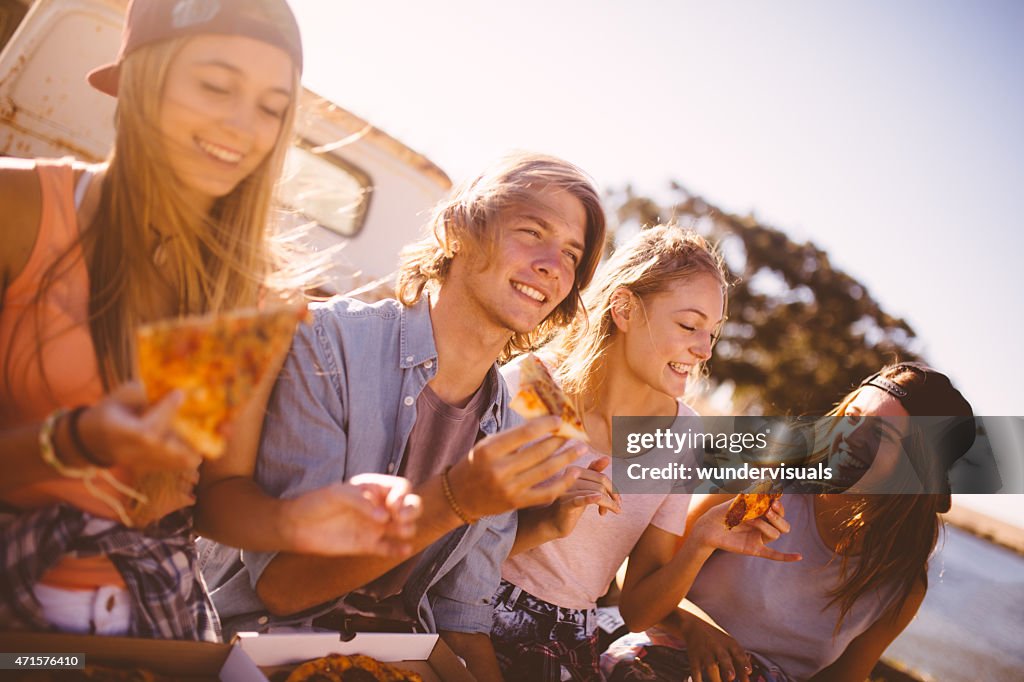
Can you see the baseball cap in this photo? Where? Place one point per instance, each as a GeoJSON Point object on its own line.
{"type": "Point", "coordinates": [925, 392]}
{"type": "Point", "coordinates": [153, 21]}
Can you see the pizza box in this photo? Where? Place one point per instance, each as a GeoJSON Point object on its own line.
{"type": "Point", "coordinates": [185, 661]}
{"type": "Point", "coordinates": [262, 657]}
{"type": "Point", "coordinates": [252, 657]}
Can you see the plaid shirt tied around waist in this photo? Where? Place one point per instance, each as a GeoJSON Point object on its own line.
{"type": "Point", "coordinates": [169, 599]}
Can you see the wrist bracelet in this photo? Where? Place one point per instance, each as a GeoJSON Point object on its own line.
{"type": "Point", "coordinates": [88, 474]}
{"type": "Point", "coordinates": [48, 452]}
{"type": "Point", "coordinates": [76, 439]}
{"type": "Point", "coordinates": [447, 487]}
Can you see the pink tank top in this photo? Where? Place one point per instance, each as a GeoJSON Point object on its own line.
{"type": "Point", "coordinates": [65, 372]}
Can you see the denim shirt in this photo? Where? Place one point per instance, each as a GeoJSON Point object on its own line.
{"type": "Point", "coordinates": [344, 404]}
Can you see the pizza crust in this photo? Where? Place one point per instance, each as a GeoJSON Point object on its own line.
{"type": "Point", "coordinates": [540, 396]}
{"type": "Point", "coordinates": [357, 668]}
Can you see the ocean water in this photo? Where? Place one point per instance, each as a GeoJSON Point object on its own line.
{"type": "Point", "coordinates": [971, 623]}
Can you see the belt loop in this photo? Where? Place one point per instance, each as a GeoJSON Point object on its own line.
{"type": "Point", "coordinates": [513, 596]}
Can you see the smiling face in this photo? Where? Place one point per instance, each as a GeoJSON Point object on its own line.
{"type": "Point", "coordinates": [668, 334]}
{"type": "Point", "coordinates": [867, 444]}
{"type": "Point", "coordinates": [532, 266]}
{"type": "Point", "coordinates": [222, 108]}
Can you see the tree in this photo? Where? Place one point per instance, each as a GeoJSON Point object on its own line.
{"type": "Point", "coordinates": [799, 332]}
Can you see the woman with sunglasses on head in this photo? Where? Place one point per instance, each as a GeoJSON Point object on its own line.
{"type": "Point", "coordinates": [174, 223]}
{"type": "Point", "coordinates": [865, 552]}
{"type": "Point", "coordinates": [653, 311]}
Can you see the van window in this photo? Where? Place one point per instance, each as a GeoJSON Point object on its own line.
{"type": "Point", "coordinates": [327, 189]}
{"type": "Point", "coordinates": [11, 14]}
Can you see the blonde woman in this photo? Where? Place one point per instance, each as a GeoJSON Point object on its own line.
{"type": "Point", "coordinates": [653, 312]}
{"type": "Point", "coordinates": [174, 223]}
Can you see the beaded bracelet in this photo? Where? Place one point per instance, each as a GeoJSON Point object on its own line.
{"type": "Point", "coordinates": [76, 438]}
{"type": "Point", "coordinates": [447, 487]}
{"type": "Point", "coordinates": [48, 452]}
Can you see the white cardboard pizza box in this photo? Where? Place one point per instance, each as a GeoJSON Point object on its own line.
{"type": "Point", "coordinates": [255, 656]}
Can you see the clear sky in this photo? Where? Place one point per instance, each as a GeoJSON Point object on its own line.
{"type": "Point", "coordinates": [890, 134]}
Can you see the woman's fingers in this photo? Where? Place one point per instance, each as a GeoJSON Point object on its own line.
{"type": "Point", "coordinates": [126, 432]}
{"type": "Point", "coordinates": [724, 664]}
{"type": "Point", "coordinates": [160, 415]}
{"type": "Point", "coordinates": [187, 482]}
{"type": "Point", "coordinates": [597, 478]}
{"type": "Point", "coordinates": [775, 555]}
{"type": "Point", "coordinates": [711, 673]}
{"type": "Point", "coordinates": [583, 499]}
{"type": "Point", "coordinates": [543, 471]}
{"type": "Point", "coordinates": [739, 661]}
{"type": "Point", "coordinates": [131, 394]}
{"type": "Point", "coordinates": [768, 532]}
{"type": "Point", "coordinates": [776, 520]}
{"type": "Point", "coordinates": [548, 492]}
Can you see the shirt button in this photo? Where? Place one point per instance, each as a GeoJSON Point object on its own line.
{"type": "Point", "coordinates": [408, 358]}
{"type": "Point", "coordinates": [263, 620]}
{"type": "Point", "coordinates": [408, 401]}
{"type": "Point", "coordinates": [391, 468]}
{"type": "Point", "coordinates": [428, 364]}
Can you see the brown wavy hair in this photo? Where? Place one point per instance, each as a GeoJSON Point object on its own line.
{"type": "Point", "coordinates": [893, 535]}
{"type": "Point", "coordinates": [468, 217]}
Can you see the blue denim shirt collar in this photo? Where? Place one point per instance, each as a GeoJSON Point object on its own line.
{"type": "Point", "coordinates": [416, 341]}
{"type": "Point", "coordinates": [416, 336]}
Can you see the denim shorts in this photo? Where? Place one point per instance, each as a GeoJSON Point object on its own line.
{"type": "Point", "coordinates": [538, 641]}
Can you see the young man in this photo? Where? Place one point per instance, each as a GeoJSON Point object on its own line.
{"type": "Point", "coordinates": [411, 387]}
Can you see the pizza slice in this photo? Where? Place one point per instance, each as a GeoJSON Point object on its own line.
{"type": "Point", "coordinates": [540, 396]}
{"type": "Point", "coordinates": [357, 668]}
{"type": "Point", "coordinates": [752, 505]}
{"type": "Point", "coordinates": [217, 361]}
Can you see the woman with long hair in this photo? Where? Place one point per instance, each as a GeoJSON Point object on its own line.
{"type": "Point", "coordinates": [865, 554]}
{"type": "Point", "coordinates": [652, 314]}
{"type": "Point", "coordinates": [174, 223]}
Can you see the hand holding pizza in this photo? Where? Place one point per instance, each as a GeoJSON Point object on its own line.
{"type": "Point", "coordinates": [522, 467]}
{"type": "Point", "coordinates": [372, 514]}
{"type": "Point", "coordinates": [749, 537]}
{"type": "Point", "coordinates": [123, 429]}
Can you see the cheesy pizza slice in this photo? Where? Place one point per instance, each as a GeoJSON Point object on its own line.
{"type": "Point", "coordinates": [540, 396]}
{"type": "Point", "coordinates": [752, 505]}
{"type": "Point", "coordinates": [216, 361]}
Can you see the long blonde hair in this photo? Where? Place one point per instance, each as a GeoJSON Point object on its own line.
{"type": "Point", "coordinates": [218, 261]}
{"type": "Point", "coordinates": [469, 215]}
{"type": "Point", "coordinates": [649, 263]}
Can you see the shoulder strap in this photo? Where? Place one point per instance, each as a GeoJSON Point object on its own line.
{"type": "Point", "coordinates": [82, 186]}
